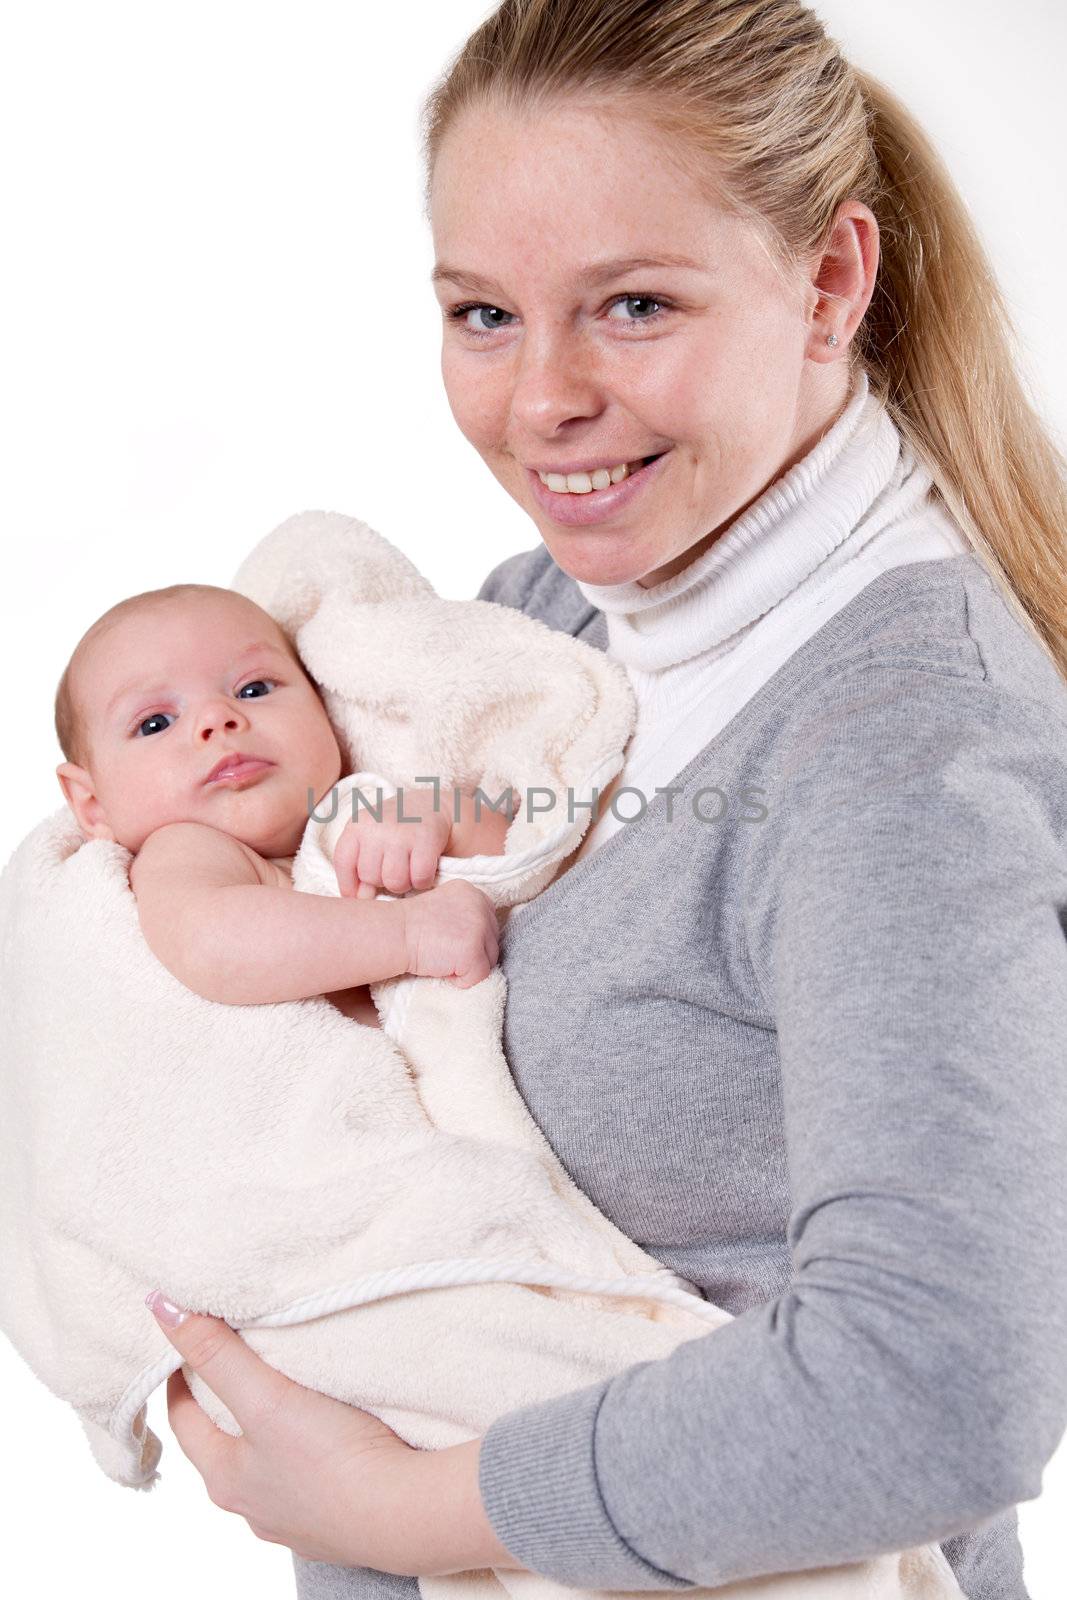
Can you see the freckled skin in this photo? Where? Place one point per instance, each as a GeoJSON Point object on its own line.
{"type": "Point", "coordinates": [733, 376]}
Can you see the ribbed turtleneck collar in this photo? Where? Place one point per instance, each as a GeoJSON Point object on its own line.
{"type": "Point", "coordinates": [796, 524]}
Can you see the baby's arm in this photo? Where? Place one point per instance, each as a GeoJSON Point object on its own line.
{"type": "Point", "coordinates": [212, 919]}
{"type": "Point", "coordinates": [210, 915]}
{"type": "Point", "coordinates": [480, 831]}
{"type": "Point", "coordinates": [401, 850]}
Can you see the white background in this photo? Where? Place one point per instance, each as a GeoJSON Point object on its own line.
{"type": "Point", "coordinates": [216, 309]}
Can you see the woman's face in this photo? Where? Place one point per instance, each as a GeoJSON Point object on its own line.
{"type": "Point", "coordinates": [599, 310]}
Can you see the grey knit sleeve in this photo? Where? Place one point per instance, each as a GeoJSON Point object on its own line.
{"type": "Point", "coordinates": [907, 922]}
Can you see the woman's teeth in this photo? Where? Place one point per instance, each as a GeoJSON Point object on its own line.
{"type": "Point", "coordinates": [585, 482]}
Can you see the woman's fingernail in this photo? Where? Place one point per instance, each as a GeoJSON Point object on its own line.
{"type": "Point", "coordinates": [164, 1311]}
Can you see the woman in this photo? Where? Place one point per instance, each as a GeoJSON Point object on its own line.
{"type": "Point", "coordinates": [806, 1032]}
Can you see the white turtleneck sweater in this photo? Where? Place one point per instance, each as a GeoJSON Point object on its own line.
{"type": "Point", "coordinates": [699, 645]}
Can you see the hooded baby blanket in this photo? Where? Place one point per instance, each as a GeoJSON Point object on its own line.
{"type": "Point", "coordinates": [374, 1209]}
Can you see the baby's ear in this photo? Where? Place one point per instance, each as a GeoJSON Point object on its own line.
{"type": "Point", "coordinates": [77, 786]}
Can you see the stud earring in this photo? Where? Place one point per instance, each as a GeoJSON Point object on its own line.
{"type": "Point", "coordinates": [832, 339]}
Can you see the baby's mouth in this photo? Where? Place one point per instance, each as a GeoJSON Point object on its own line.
{"type": "Point", "coordinates": [235, 768]}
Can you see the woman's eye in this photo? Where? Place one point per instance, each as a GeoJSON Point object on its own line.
{"type": "Point", "coordinates": [641, 301]}
{"type": "Point", "coordinates": [481, 320]}
{"type": "Point", "coordinates": [157, 716]}
{"type": "Point", "coordinates": [480, 312]}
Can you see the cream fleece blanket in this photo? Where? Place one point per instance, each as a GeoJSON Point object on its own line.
{"type": "Point", "coordinates": [375, 1210]}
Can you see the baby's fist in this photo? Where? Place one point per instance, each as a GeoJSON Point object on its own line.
{"type": "Point", "coordinates": [451, 932]}
{"type": "Point", "coordinates": [398, 853]}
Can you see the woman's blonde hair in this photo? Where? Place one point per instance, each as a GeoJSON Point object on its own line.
{"type": "Point", "coordinates": [787, 130]}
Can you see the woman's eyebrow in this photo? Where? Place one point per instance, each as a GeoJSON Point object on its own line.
{"type": "Point", "coordinates": [596, 272]}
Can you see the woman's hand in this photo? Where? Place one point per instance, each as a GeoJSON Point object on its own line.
{"type": "Point", "coordinates": [331, 1482]}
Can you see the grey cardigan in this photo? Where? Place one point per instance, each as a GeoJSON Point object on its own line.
{"type": "Point", "coordinates": [799, 1030]}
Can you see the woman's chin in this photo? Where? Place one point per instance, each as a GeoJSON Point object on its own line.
{"type": "Point", "coordinates": [598, 558]}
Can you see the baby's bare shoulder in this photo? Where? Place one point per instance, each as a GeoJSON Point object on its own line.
{"type": "Point", "coordinates": [192, 855]}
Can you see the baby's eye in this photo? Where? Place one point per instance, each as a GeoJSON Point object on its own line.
{"type": "Point", "coordinates": [257, 684]}
{"type": "Point", "coordinates": [157, 716]}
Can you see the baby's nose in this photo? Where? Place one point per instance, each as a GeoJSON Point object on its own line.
{"type": "Point", "coordinates": [219, 719]}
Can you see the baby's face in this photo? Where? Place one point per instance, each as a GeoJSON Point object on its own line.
{"type": "Point", "coordinates": [174, 689]}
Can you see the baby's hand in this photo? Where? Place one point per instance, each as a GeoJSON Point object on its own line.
{"type": "Point", "coordinates": [391, 854]}
{"type": "Point", "coordinates": [451, 932]}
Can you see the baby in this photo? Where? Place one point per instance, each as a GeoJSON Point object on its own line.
{"type": "Point", "coordinates": [195, 738]}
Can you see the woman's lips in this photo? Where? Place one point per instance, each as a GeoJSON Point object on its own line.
{"type": "Point", "coordinates": [579, 510]}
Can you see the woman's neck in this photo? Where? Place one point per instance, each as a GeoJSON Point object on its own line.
{"type": "Point", "coordinates": [817, 514]}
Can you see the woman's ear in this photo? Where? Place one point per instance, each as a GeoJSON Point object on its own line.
{"type": "Point", "coordinates": [844, 278]}
{"type": "Point", "coordinates": [77, 786]}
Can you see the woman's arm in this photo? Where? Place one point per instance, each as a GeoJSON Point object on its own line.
{"type": "Point", "coordinates": [907, 916]}
{"type": "Point", "coordinates": [329, 1480]}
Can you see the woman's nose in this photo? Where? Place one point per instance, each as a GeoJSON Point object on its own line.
{"type": "Point", "coordinates": [219, 716]}
{"type": "Point", "coordinates": [555, 383]}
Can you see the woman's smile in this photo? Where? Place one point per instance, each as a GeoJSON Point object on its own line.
{"type": "Point", "coordinates": [579, 506]}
